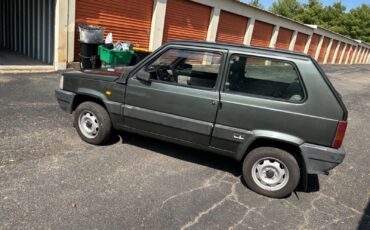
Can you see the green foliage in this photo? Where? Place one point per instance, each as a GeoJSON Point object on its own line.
{"type": "Point", "coordinates": [256, 3]}
{"type": "Point", "coordinates": [355, 23]}
{"type": "Point", "coordinates": [312, 13]}
{"type": "Point", "coordinates": [334, 18]}
{"type": "Point", "coordinates": [358, 23]}
{"type": "Point", "coordinates": [286, 8]}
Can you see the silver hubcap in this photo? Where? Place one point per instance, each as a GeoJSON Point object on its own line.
{"type": "Point", "coordinates": [88, 124]}
{"type": "Point", "coordinates": [270, 174]}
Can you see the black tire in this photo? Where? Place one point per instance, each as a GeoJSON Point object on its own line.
{"type": "Point", "coordinates": [102, 119]}
{"type": "Point", "coordinates": [262, 154]}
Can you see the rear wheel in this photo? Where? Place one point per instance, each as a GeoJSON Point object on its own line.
{"type": "Point", "coordinates": [92, 123]}
{"type": "Point", "coordinates": [271, 172]}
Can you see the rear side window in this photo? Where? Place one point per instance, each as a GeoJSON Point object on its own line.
{"type": "Point", "coordinates": [263, 77]}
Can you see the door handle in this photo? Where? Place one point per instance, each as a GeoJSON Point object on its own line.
{"type": "Point", "coordinates": [238, 137]}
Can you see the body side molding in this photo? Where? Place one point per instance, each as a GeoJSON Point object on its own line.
{"type": "Point", "coordinates": [169, 120]}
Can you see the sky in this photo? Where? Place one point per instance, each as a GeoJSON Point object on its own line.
{"type": "Point", "coordinates": [348, 3]}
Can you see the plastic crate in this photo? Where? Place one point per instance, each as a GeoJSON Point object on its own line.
{"type": "Point", "coordinates": [114, 56]}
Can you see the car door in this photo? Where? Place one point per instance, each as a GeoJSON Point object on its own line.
{"type": "Point", "coordinates": [181, 98]}
{"type": "Point", "coordinates": [257, 93]}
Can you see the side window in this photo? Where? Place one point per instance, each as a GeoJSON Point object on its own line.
{"type": "Point", "coordinates": [264, 77]}
{"type": "Point", "coordinates": [186, 67]}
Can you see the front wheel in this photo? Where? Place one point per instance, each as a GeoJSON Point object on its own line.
{"type": "Point", "coordinates": [92, 123]}
{"type": "Point", "coordinates": [271, 172]}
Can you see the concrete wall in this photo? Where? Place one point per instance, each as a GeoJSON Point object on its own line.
{"type": "Point", "coordinates": [64, 33]}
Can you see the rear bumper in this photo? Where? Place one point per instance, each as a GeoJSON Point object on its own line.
{"type": "Point", "coordinates": [65, 99]}
{"type": "Point", "coordinates": [320, 159]}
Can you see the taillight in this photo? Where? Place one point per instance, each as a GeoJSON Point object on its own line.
{"type": "Point", "coordinates": [339, 136]}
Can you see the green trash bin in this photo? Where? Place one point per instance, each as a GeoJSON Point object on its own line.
{"type": "Point", "coordinates": [112, 57]}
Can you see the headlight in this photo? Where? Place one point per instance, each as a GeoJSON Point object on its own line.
{"type": "Point", "coordinates": [61, 82]}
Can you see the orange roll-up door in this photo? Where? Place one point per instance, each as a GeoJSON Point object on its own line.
{"type": "Point", "coordinates": [364, 56]}
{"type": "Point", "coordinates": [128, 20]}
{"type": "Point", "coordinates": [332, 51]}
{"type": "Point", "coordinates": [323, 49]}
{"type": "Point", "coordinates": [358, 56]}
{"type": "Point", "coordinates": [313, 46]}
{"type": "Point", "coordinates": [284, 38]}
{"type": "Point", "coordinates": [351, 51]}
{"type": "Point", "coordinates": [355, 54]}
{"type": "Point", "coordinates": [300, 43]}
{"type": "Point", "coordinates": [351, 54]}
{"type": "Point", "coordinates": [262, 34]}
{"type": "Point", "coordinates": [340, 52]}
{"type": "Point", "coordinates": [231, 28]}
{"type": "Point", "coordinates": [349, 47]}
{"type": "Point", "coordinates": [186, 20]}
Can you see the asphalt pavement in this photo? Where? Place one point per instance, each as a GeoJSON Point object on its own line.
{"type": "Point", "coordinates": [49, 178]}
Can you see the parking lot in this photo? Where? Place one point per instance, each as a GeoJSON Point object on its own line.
{"type": "Point", "coordinates": [49, 178]}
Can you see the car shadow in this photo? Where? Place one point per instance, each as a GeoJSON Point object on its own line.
{"type": "Point", "coordinates": [180, 152]}
{"type": "Point", "coordinates": [312, 184]}
{"type": "Point", "coordinates": [114, 139]}
{"type": "Point", "coordinates": [365, 219]}
{"type": "Point", "coordinates": [200, 157]}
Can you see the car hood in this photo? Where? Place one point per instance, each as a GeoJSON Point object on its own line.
{"type": "Point", "coordinates": [107, 74]}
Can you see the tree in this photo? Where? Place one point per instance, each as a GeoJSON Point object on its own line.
{"type": "Point", "coordinates": [287, 8]}
{"type": "Point", "coordinates": [357, 25]}
{"type": "Point", "coordinates": [334, 18]}
{"type": "Point", "coordinates": [312, 13]}
{"type": "Point", "coordinates": [256, 3]}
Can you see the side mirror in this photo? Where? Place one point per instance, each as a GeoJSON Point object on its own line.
{"type": "Point", "coordinates": [143, 75]}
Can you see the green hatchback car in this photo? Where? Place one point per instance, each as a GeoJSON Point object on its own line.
{"type": "Point", "coordinates": [275, 111]}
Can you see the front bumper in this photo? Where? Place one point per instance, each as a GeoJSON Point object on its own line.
{"type": "Point", "coordinates": [65, 99]}
{"type": "Point", "coordinates": [320, 159]}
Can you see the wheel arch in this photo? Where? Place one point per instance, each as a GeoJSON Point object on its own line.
{"type": "Point", "coordinates": [267, 138]}
{"type": "Point", "coordinates": [81, 98]}
{"type": "Point", "coordinates": [114, 109]}
{"type": "Point", "coordinates": [289, 147]}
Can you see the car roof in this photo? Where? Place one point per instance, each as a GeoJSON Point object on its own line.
{"type": "Point", "coordinates": [240, 47]}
